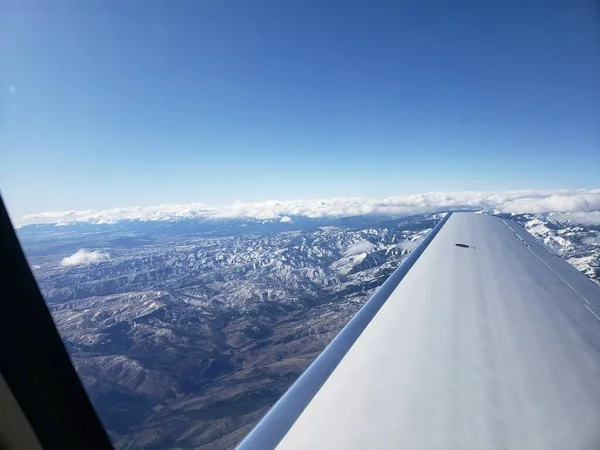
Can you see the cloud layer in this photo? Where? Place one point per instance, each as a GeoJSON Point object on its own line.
{"type": "Point", "coordinates": [84, 257]}
{"type": "Point", "coordinates": [577, 202]}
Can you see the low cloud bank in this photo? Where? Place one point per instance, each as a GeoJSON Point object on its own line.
{"type": "Point", "coordinates": [84, 257]}
{"type": "Point", "coordinates": [581, 204]}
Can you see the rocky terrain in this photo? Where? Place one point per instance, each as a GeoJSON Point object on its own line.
{"type": "Point", "coordinates": [185, 332]}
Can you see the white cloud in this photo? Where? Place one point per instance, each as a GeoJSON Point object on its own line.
{"type": "Point", "coordinates": [562, 203]}
{"type": "Point", "coordinates": [579, 217]}
{"type": "Point", "coordinates": [84, 257]}
{"type": "Point", "coordinates": [359, 247]}
{"type": "Point", "coordinates": [408, 245]}
{"type": "Point", "coordinates": [286, 219]}
{"type": "Point", "coordinates": [524, 201]}
{"type": "Point", "coordinates": [12, 90]}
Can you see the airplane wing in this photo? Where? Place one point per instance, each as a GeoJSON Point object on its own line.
{"type": "Point", "coordinates": [481, 339]}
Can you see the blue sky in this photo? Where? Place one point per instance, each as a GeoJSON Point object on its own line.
{"type": "Point", "coordinates": [106, 104]}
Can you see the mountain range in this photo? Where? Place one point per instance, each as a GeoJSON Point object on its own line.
{"type": "Point", "coordinates": [185, 331]}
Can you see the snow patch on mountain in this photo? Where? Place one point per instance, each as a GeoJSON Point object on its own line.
{"type": "Point", "coordinates": [347, 264]}
{"type": "Point", "coordinates": [537, 227]}
{"type": "Point", "coordinates": [555, 243]}
{"type": "Point", "coordinates": [588, 264]}
{"type": "Point", "coordinates": [593, 240]}
{"type": "Point", "coordinates": [579, 217]}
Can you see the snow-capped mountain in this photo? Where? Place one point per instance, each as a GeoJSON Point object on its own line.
{"type": "Point", "coordinates": [578, 244]}
{"type": "Point", "coordinates": [185, 332]}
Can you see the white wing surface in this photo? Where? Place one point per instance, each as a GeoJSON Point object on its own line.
{"type": "Point", "coordinates": [493, 344]}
